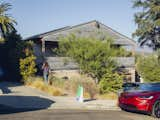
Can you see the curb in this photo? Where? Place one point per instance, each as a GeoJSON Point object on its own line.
{"type": "Point", "coordinates": [83, 108]}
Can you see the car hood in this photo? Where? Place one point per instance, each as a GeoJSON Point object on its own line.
{"type": "Point", "coordinates": [139, 93]}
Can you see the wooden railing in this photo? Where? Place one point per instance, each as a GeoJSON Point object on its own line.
{"type": "Point", "coordinates": [65, 63]}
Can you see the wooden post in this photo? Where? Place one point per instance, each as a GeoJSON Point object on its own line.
{"type": "Point", "coordinates": [133, 75]}
{"type": "Point", "coordinates": [43, 46]}
{"type": "Point", "coordinates": [133, 50]}
{"type": "Point", "coordinates": [133, 71]}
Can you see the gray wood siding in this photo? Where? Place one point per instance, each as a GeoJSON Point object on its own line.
{"type": "Point", "coordinates": [38, 53]}
{"type": "Point", "coordinates": [65, 63]}
{"type": "Point", "coordinates": [61, 63]}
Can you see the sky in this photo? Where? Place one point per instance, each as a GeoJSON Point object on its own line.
{"type": "Point", "coordinates": [38, 16]}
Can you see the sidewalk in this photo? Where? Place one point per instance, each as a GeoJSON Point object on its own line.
{"type": "Point", "coordinates": [27, 97]}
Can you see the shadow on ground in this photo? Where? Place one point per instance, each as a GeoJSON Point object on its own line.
{"type": "Point", "coordinates": [88, 100]}
{"type": "Point", "coordinates": [137, 112]}
{"type": "Point", "coordinates": [4, 86]}
{"type": "Point", "coordinates": [15, 104]}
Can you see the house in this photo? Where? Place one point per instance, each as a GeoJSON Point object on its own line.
{"type": "Point", "coordinates": [45, 42]}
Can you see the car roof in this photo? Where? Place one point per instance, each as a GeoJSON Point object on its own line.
{"type": "Point", "coordinates": [137, 83]}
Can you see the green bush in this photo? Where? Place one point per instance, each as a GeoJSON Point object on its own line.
{"type": "Point", "coordinates": [27, 60]}
{"type": "Point", "coordinates": [110, 82]}
{"type": "Point", "coordinates": [92, 55]}
{"type": "Point", "coordinates": [149, 68]}
{"type": "Point", "coordinates": [95, 57]}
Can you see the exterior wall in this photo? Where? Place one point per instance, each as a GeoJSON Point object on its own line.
{"type": "Point", "coordinates": [38, 53]}
{"type": "Point", "coordinates": [61, 63]}
{"type": "Point", "coordinates": [132, 74]}
{"type": "Point", "coordinates": [66, 66]}
{"type": "Point", "coordinates": [69, 74]}
{"type": "Point", "coordinates": [125, 61]}
{"type": "Point", "coordinates": [128, 64]}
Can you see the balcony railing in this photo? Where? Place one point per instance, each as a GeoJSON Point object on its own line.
{"type": "Point", "coordinates": [125, 61]}
{"type": "Point", "coordinates": [64, 63]}
{"type": "Point", "coordinates": [61, 63]}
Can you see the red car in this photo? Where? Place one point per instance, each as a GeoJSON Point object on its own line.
{"type": "Point", "coordinates": [141, 97]}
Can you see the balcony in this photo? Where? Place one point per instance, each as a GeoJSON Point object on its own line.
{"type": "Point", "coordinates": [125, 61]}
{"type": "Point", "coordinates": [64, 63]}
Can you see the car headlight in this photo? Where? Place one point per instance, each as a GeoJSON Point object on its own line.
{"type": "Point", "coordinates": [146, 97]}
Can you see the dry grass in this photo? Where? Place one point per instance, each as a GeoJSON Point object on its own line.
{"type": "Point", "coordinates": [59, 86]}
{"type": "Point", "coordinates": [39, 84]}
{"type": "Point", "coordinates": [74, 79]}
{"type": "Point", "coordinates": [90, 88]}
{"type": "Point", "coordinates": [86, 95]}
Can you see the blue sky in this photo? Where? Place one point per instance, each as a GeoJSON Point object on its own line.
{"type": "Point", "coordinates": [38, 16]}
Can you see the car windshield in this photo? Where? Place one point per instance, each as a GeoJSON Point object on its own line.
{"type": "Point", "coordinates": [143, 87]}
{"type": "Point", "coordinates": [149, 87]}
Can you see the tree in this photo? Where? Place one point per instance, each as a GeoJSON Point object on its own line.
{"type": "Point", "coordinates": [6, 22]}
{"type": "Point", "coordinates": [27, 65]}
{"type": "Point", "coordinates": [148, 21]}
{"type": "Point", "coordinates": [95, 58]}
{"type": "Point", "coordinates": [11, 59]}
{"type": "Point", "coordinates": [149, 68]}
{"type": "Point", "coordinates": [92, 55]}
{"type": "Point", "coordinates": [20, 59]}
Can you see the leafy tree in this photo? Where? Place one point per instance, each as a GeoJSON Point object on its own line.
{"type": "Point", "coordinates": [149, 68]}
{"type": "Point", "coordinates": [6, 22]}
{"type": "Point", "coordinates": [148, 21]}
{"type": "Point", "coordinates": [27, 63]}
{"type": "Point", "coordinates": [93, 56]}
{"type": "Point", "coordinates": [11, 56]}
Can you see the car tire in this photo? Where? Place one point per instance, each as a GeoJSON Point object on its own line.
{"type": "Point", "coordinates": [123, 109]}
{"type": "Point", "coordinates": [156, 109]}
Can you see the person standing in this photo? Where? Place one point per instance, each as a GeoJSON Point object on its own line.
{"type": "Point", "coordinates": [45, 68]}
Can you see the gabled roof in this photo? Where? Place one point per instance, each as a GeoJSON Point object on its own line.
{"type": "Point", "coordinates": [41, 35]}
{"type": "Point", "coordinates": [119, 38]}
{"type": "Point", "coordinates": [119, 34]}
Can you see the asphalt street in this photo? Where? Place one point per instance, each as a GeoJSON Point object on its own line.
{"type": "Point", "coordinates": [23, 114]}
{"type": "Point", "coordinates": [20, 102]}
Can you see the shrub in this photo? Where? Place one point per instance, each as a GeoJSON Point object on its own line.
{"type": "Point", "coordinates": [110, 82]}
{"type": "Point", "coordinates": [92, 55]}
{"type": "Point", "coordinates": [72, 85]}
{"type": "Point", "coordinates": [94, 58]}
{"type": "Point", "coordinates": [58, 82]}
{"type": "Point", "coordinates": [90, 88]}
{"type": "Point", "coordinates": [10, 56]}
{"type": "Point", "coordinates": [149, 68]}
{"type": "Point", "coordinates": [27, 60]}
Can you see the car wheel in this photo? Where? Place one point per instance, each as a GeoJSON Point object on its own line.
{"type": "Point", "coordinates": [156, 109]}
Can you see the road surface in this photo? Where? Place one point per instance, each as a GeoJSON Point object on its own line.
{"type": "Point", "coordinates": [71, 115]}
